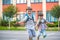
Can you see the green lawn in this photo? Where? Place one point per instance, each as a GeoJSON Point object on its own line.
{"type": "Point", "coordinates": [23, 28]}
{"type": "Point", "coordinates": [12, 28]}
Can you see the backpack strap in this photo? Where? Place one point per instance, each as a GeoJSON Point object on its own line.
{"type": "Point", "coordinates": [28, 17]}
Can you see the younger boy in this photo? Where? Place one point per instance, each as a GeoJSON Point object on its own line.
{"type": "Point", "coordinates": [41, 23]}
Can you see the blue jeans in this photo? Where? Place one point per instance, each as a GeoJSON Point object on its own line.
{"type": "Point", "coordinates": [43, 32]}
{"type": "Point", "coordinates": [31, 33]}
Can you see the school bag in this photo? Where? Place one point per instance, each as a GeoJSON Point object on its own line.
{"type": "Point", "coordinates": [28, 18]}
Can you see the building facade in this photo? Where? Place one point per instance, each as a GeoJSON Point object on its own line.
{"type": "Point", "coordinates": [37, 5]}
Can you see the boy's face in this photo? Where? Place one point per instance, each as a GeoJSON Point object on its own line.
{"type": "Point", "coordinates": [41, 17]}
{"type": "Point", "coordinates": [29, 11]}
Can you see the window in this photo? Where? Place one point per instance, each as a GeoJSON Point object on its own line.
{"type": "Point", "coordinates": [39, 0]}
{"type": "Point", "coordinates": [21, 1]}
{"type": "Point", "coordinates": [56, 0]}
{"type": "Point", "coordinates": [6, 1]}
{"type": "Point", "coordinates": [36, 1]}
{"type": "Point", "coordinates": [47, 0]}
{"type": "Point", "coordinates": [50, 18]}
{"type": "Point", "coordinates": [32, 1]}
{"type": "Point", "coordinates": [24, 1]}
{"type": "Point", "coordinates": [51, 0]}
{"type": "Point", "coordinates": [33, 12]}
{"type": "Point", "coordinates": [17, 1]}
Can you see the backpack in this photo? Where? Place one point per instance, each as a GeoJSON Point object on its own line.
{"type": "Point", "coordinates": [29, 18]}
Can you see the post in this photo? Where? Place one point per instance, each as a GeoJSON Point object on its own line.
{"type": "Point", "coordinates": [14, 2]}
{"type": "Point", "coordinates": [28, 3]}
{"type": "Point", "coordinates": [59, 19]}
{"type": "Point", "coordinates": [59, 24]}
{"type": "Point", "coordinates": [0, 10]}
{"type": "Point", "coordinates": [44, 8]}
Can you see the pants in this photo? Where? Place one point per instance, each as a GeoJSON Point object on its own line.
{"type": "Point", "coordinates": [42, 31]}
{"type": "Point", "coordinates": [31, 33]}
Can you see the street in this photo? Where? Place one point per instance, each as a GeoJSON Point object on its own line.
{"type": "Point", "coordinates": [23, 35]}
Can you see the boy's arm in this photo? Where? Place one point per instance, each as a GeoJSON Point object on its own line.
{"type": "Point", "coordinates": [37, 24]}
{"type": "Point", "coordinates": [49, 22]}
{"type": "Point", "coordinates": [23, 20]}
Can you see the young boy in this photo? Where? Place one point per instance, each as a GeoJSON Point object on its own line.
{"type": "Point", "coordinates": [29, 23]}
{"type": "Point", "coordinates": [41, 23]}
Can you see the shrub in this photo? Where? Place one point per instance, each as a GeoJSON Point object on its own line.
{"type": "Point", "coordinates": [4, 23]}
{"type": "Point", "coordinates": [53, 25]}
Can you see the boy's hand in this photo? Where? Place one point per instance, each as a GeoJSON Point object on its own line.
{"type": "Point", "coordinates": [36, 28]}
{"type": "Point", "coordinates": [52, 23]}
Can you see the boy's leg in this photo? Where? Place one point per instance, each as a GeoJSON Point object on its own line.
{"type": "Point", "coordinates": [38, 38]}
{"type": "Point", "coordinates": [33, 34]}
{"type": "Point", "coordinates": [44, 33]}
{"type": "Point", "coordinates": [30, 38]}
{"type": "Point", "coordinates": [30, 34]}
{"type": "Point", "coordinates": [38, 35]}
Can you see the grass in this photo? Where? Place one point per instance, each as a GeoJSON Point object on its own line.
{"type": "Point", "coordinates": [23, 28]}
{"type": "Point", "coordinates": [12, 28]}
{"type": "Point", "coordinates": [52, 29]}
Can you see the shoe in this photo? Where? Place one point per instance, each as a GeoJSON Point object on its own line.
{"type": "Point", "coordinates": [44, 36]}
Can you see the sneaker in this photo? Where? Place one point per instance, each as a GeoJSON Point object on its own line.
{"type": "Point", "coordinates": [44, 36]}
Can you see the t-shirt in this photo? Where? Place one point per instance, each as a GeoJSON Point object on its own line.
{"type": "Point", "coordinates": [30, 23]}
{"type": "Point", "coordinates": [41, 23]}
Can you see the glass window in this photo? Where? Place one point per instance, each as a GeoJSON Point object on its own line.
{"type": "Point", "coordinates": [17, 1]}
{"type": "Point", "coordinates": [50, 18]}
{"type": "Point", "coordinates": [52, 0]}
{"type": "Point", "coordinates": [32, 1]}
{"type": "Point", "coordinates": [6, 1]}
{"type": "Point", "coordinates": [34, 15]}
{"type": "Point", "coordinates": [11, 1]}
{"type": "Point", "coordinates": [39, 0]}
{"type": "Point", "coordinates": [35, 0]}
{"type": "Point", "coordinates": [47, 0]}
{"type": "Point", "coordinates": [21, 1]}
{"type": "Point", "coordinates": [24, 1]}
{"type": "Point", "coordinates": [56, 0]}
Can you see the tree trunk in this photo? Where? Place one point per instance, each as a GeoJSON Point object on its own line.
{"type": "Point", "coordinates": [9, 24]}
{"type": "Point", "coordinates": [58, 23]}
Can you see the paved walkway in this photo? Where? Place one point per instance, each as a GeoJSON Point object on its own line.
{"type": "Point", "coordinates": [23, 35]}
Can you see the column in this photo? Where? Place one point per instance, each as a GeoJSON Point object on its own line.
{"type": "Point", "coordinates": [44, 8]}
{"type": "Point", "coordinates": [59, 2]}
{"type": "Point", "coordinates": [14, 2]}
{"type": "Point", "coordinates": [28, 3]}
{"type": "Point", "coordinates": [0, 9]}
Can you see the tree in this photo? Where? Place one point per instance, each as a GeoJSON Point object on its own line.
{"type": "Point", "coordinates": [9, 12]}
{"type": "Point", "coordinates": [55, 12]}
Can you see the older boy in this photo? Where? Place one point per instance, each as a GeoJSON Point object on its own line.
{"type": "Point", "coordinates": [29, 23]}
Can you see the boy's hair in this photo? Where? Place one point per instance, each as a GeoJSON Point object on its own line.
{"type": "Point", "coordinates": [40, 13]}
{"type": "Point", "coordinates": [28, 8]}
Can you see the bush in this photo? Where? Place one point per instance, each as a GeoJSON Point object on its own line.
{"type": "Point", "coordinates": [4, 23]}
{"type": "Point", "coordinates": [13, 23]}
{"type": "Point", "coordinates": [53, 25]}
